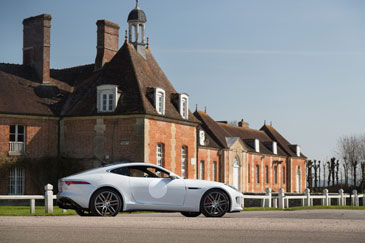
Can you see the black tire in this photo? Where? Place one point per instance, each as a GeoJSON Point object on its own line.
{"type": "Point", "coordinates": [214, 203]}
{"type": "Point", "coordinates": [191, 214]}
{"type": "Point", "coordinates": [105, 202]}
{"type": "Point", "coordinates": [82, 212]}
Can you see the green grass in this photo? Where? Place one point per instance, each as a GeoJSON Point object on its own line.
{"type": "Point", "coordinates": [25, 211]}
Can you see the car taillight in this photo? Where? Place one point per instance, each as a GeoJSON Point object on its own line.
{"type": "Point", "coordinates": [76, 182]}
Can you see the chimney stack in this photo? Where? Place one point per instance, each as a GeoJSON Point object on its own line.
{"type": "Point", "coordinates": [36, 45]}
{"type": "Point", "coordinates": [243, 124]}
{"type": "Point", "coordinates": [107, 42]}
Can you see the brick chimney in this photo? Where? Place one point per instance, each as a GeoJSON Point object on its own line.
{"type": "Point", "coordinates": [243, 124]}
{"type": "Point", "coordinates": [107, 42]}
{"type": "Point", "coordinates": [36, 45]}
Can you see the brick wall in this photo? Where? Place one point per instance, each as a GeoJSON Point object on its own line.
{"type": "Point", "coordinates": [173, 136]}
{"type": "Point", "coordinates": [41, 136]}
{"type": "Point", "coordinates": [208, 156]}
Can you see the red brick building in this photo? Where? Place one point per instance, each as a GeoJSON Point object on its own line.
{"type": "Point", "coordinates": [120, 108]}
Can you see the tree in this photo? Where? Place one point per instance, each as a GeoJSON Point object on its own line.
{"type": "Point", "coordinates": [345, 151]}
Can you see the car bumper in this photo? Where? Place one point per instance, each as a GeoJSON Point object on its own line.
{"type": "Point", "coordinates": [67, 203]}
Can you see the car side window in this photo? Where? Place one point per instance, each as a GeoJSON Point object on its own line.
{"type": "Point", "coordinates": [145, 171]}
{"type": "Point", "coordinates": [120, 171]}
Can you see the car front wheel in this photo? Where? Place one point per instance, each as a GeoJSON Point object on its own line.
{"type": "Point", "coordinates": [214, 203]}
{"type": "Point", "coordinates": [105, 202]}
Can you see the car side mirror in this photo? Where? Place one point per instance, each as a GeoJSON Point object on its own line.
{"type": "Point", "coordinates": [173, 177]}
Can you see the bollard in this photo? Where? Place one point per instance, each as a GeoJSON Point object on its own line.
{"type": "Point", "coordinates": [268, 200]}
{"type": "Point", "coordinates": [64, 211]}
{"type": "Point", "coordinates": [341, 199]}
{"type": "Point", "coordinates": [48, 198]}
{"type": "Point", "coordinates": [307, 197]}
{"type": "Point", "coordinates": [32, 206]}
{"type": "Point", "coordinates": [281, 198]}
{"type": "Point", "coordinates": [325, 199]}
{"type": "Point", "coordinates": [356, 199]}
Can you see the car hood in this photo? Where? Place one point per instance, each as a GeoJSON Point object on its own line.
{"type": "Point", "coordinates": [203, 183]}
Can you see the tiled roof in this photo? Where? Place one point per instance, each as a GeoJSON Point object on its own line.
{"type": "Point", "coordinates": [282, 142]}
{"type": "Point", "coordinates": [134, 75]}
{"type": "Point", "coordinates": [266, 135]}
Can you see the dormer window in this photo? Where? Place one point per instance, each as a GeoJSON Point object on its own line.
{"type": "Point", "coordinates": [201, 137]}
{"type": "Point", "coordinates": [184, 106]}
{"type": "Point", "coordinates": [160, 101]}
{"type": "Point", "coordinates": [257, 145]}
{"type": "Point", "coordinates": [107, 98]}
{"type": "Point", "coordinates": [298, 151]}
{"type": "Point", "coordinates": [274, 147]}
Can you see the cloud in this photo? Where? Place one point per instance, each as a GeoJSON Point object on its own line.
{"type": "Point", "coordinates": [264, 52]}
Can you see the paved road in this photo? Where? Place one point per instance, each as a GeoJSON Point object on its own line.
{"type": "Point", "coordinates": [272, 226]}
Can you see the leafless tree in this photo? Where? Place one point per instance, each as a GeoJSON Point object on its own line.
{"type": "Point", "coordinates": [345, 150]}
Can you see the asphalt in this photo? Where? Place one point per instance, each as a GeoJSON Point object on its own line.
{"type": "Point", "coordinates": [263, 226]}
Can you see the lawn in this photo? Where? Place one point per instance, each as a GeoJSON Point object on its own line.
{"type": "Point", "coordinates": [25, 211]}
{"type": "Point", "coordinates": [303, 208]}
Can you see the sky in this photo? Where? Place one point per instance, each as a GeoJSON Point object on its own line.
{"type": "Point", "coordinates": [298, 64]}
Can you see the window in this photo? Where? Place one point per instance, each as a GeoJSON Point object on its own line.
{"type": "Point", "coordinates": [184, 106]}
{"type": "Point", "coordinates": [16, 181]}
{"type": "Point", "coordinates": [214, 170]}
{"type": "Point", "coordinates": [201, 170]}
{"type": "Point", "coordinates": [266, 174]}
{"type": "Point", "coordinates": [146, 172]}
{"type": "Point", "coordinates": [257, 145]}
{"type": "Point", "coordinates": [160, 101]}
{"type": "Point", "coordinates": [201, 137]}
{"type": "Point", "coordinates": [17, 140]}
{"type": "Point", "coordinates": [276, 174]}
{"type": "Point", "coordinates": [257, 174]}
{"type": "Point", "coordinates": [274, 147]}
{"type": "Point", "coordinates": [249, 173]}
{"type": "Point", "coordinates": [160, 155]}
{"type": "Point", "coordinates": [283, 175]}
{"type": "Point", "coordinates": [184, 156]}
{"type": "Point", "coordinates": [107, 98]}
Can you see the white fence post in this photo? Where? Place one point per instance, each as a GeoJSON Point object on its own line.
{"type": "Point", "coordinates": [356, 199]}
{"type": "Point", "coordinates": [275, 202]}
{"type": "Point", "coordinates": [341, 200]}
{"type": "Point", "coordinates": [268, 200]}
{"type": "Point", "coordinates": [281, 198]}
{"type": "Point", "coordinates": [32, 206]}
{"type": "Point", "coordinates": [325, 199]}
{"type": "Point", "coordinates": [48, 198]}
{"type": "Point", "coordinates": [307, 197]}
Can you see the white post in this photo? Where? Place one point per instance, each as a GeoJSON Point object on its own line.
{"type": "Point", "coordinates": [281, 198]}
{"type": "Point", "coordinates": [307, 197]}
{"type": "Point", "coordinates": [268, 200]}
{"type": "Point", "coordinates": [325, 199]}
{"type": "Point", "coordinates": [275, 203]}
{"type": "Point", "coordinates": [356, 199]}
{"type": "Point", "coordinates": [32, 206]}
{"type": "Point", "coordinates": [48, 198]}
{"type": "Point", "coordinates": [341, 200]}
{"type": "Point", "coordinates": [286, 203]}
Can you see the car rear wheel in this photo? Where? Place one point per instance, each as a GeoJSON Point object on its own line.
{"type": "Point", "coordinates": [105, 202]}
{"type": "Point", "coordinates": [214, 203]}
{"type": "Point", "coordinates": [191, 214]}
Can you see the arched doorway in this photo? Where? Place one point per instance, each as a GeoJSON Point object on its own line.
{"type": "Point", "coordinates": [236, 174]}
{"type": "Point", "coordinates": [298, 179]}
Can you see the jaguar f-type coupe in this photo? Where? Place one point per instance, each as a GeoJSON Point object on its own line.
{"type": "Point", "coordinates": [130, 187]}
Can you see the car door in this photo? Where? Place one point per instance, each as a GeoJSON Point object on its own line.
{"type": "Point", "coordinates": [152, 186]}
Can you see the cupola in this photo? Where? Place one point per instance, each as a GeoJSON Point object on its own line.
{"type": "Point", "coordinates": [136, 21]}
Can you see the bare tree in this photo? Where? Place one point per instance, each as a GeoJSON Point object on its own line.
{"type": "Point", "coordinates": [344, 149]}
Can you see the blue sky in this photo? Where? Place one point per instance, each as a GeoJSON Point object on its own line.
{"type": "Point", "coordinates": [299, 64]}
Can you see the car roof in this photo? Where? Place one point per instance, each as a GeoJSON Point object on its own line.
{"type": "Point", "coordinates": [113, 166]}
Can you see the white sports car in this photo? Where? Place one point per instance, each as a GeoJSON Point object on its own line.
{"type": "Point", "coordinates": [140, 186]}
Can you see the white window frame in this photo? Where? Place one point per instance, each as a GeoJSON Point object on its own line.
{"type": "Point", "coordinates": [257, 145]}
{"type": "Point", "coordinates": [160, 154]}
{"type": "Point", "coordinates": [107, 98]}
{"type": "Point", "coordinates": [201, 137]}
{"type": "Point", "coordinates": [275, 147]}
{"type": "Point", "coordinates": [17, 147]}
{"type": "Point", "coordinates": [16, 181]}
{"type": "Point", "coordinates": [201, 170]}
{"type": "Point", "coordinates": [184, 106]}
{"type": "Point", "coordinates": [184, 159]}
{"type": "Point", "coordinates": [160, 104]}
